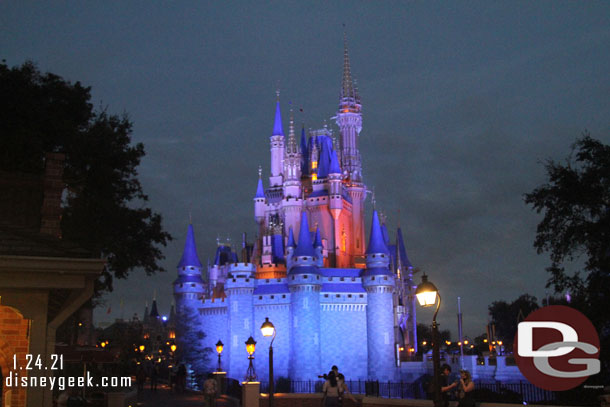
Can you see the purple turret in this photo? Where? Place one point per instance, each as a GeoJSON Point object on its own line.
{"type": "Point", "coordinates": [277, 147]}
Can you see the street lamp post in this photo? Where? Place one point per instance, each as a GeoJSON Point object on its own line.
{"type": "Point", "coordinates": [426, 295]}
{"type": "Point", "coordinates": [219, 348]}
{"type": "Point", "coordinates": [250, 347]}
{"type": "Point", "coordinates": [269, 330]}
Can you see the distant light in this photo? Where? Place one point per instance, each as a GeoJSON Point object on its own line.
{"type": "Point", "coordinates": [164, 318]}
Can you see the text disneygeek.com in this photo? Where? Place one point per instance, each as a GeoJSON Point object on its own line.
{"type": "Point", "coordinates": [15, 380]}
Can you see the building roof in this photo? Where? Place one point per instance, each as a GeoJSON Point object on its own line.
{"type": "Point", "coordinates": [154, 313]}
{"type": "Point", "coordinates": [260, 190]}
{"type": "Point", "coordinates": [291, 242]}
{"type": "Point", "coordinates": [189, 254]}
{"type": "Point", "coordinates": [19, 241]}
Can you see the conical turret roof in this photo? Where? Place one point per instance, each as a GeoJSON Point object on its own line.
{"type": "Point", "coordinates": [189, 255]}
{"type": "Point", "coordinates": [376, 243]}
{"type": "Point", "coordinates": [305, 247]}
{"type": "Point", "coordinates": [291, 242]}
{"type": "Point", "coordinates": [277, 124]}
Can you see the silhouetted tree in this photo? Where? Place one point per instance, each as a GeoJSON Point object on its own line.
{"type": "Point", "coordinates": [575, 231]}
{"type": "Point", "coordinates": [506, 316]}
{"type": "Point", "coordinates": [104, 209]}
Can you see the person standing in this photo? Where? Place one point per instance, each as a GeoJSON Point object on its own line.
{"type": "Point", "coordinates": [466, 390]}
{"type": "Point", "coordinates": [210, 390]}
{"type": "Point", "coordinates": [331, 391]}
{"type": "Point", "coordinates": [154, 376]}
{"type": "Point", "coordinates": [445, 386]}
{"type": "Point", "coordinates": [344, 391]}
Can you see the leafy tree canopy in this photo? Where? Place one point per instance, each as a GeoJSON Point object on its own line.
{"type": "Point", "coordinates": [105, 210]}
{"type": "Point", "coordinates": [576, 223]}
{"type": "Point", "coordinates": [576, 226]}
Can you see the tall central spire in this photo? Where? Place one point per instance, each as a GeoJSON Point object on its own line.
{"type": "Point", "coordinates": [349, 94]}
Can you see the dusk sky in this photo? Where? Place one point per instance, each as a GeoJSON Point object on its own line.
{"type": "Point", "coordinates": [462, 104]}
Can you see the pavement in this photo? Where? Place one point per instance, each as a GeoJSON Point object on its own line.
{"type": "Point", "coordinates": [163, 398]}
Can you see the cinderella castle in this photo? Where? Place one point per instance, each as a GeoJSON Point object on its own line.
{"type": "Point", "coordinates": [333, 298]}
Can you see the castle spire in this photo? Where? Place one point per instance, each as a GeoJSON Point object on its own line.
{"type": "Point", "coordinates": [291, 242]}
{"type": "Point", "coordinates": [277, 124]}
{"type": "Point", "coordinates": [291, 147]}
{"type": "Point", "coordinates": [349, 94]}
{"type": "Point", "coordinates": [189, 254]}
{"type": "Point", "coordinates": [305, 247]}
{"type": "Point", "coordinates": [376, 243]}
{"type": "Point", "coordinates": [260, 191]}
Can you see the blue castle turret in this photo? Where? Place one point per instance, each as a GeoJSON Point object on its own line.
{"type": "Point", "coordinates": [304, 283]}
{"type": "Point", "coordinates": [378, 280]}
{"type": "Point", "coordinates": [189, 287]}
{"type": "Point", "coordinates": [239, 288]}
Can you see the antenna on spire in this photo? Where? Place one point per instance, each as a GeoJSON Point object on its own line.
{"type": "Point", "coordinates": [260, 172]}
{"type": "Point", "coordinates": [373, 199]}
{"type": "Point", "coordinates": [277, 90]}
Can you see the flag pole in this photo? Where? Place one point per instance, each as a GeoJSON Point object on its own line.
{"type": "Point", "coordinates": [460, 333]}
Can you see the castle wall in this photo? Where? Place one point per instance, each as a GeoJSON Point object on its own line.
{"type": "Point", "coordinates": [343, 335]}
{"type": "Point", "coordinates": [214, 321]}
{"type": "Point", "coordinates": [278, 312]}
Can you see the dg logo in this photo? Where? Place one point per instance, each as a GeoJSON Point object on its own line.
{"type": "Point", "coordinates": [557, 348]}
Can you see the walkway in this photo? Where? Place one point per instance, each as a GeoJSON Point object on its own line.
{"type": "Point", "coordinates": [163, 398]}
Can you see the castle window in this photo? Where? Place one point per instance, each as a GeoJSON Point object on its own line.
{"type": "Point", "coordinates": [330, 279]}
{"type": "Point", "coordinates": [325, 295]}
{"type": "Point", "coordinates": [353, 278]}
{"type": "Point", "coordinates": [181, 285]}
{"type": "Point", "coordinates": [349, 296]}
{"type": "Point", "coordinates": [361, 295]}
{"type": "Point", "coordinates": [385, 277]}
{"type": "Point", "coordinates": [267, 280]}
{"type": "Point", "coordinates": [293, 277]}
{"type": "Point", "coordinates": [234, 280]}
{"type": "Point", "coordinates": [342, 279]}
{"type": "Point", "coordinates": [247, 279]}
{"type": "Point", "coordinates": [192, 285]}
{"type": "Point", "coordinates": [279, 280]}
{"type": "Point", "coordinates": [317, 277]}
{"type": "Point", "coordinates": [373, 278]}
{"type": "Point", "coordinates": [183, 268]}
{"type": "Point", "coordinates": [273, 296]}
{"type": "Point", "coordinates": [283, 295]}
{"type": "Point", "coordinates": [305, 276]}
{"type": "Point", "coordinates": [260, 297]}
{"type": "Point", "coordinates": [337, 295]}
{"type": "Point", "coordinates": [373, 256]}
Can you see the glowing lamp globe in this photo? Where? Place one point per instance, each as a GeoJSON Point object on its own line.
{"type": "Point", "coordinates": [426, 292]}
{"type": "Point", "coordinates": [173, 347]}
{"type": "Point", "coordinates": [142, 347]}
{"type": "Point", "coordinates": [267, 328]}
{"type": "Point", "coordinates": [250, 345]}
{"type": "Point", "coordinates": [219, 346]}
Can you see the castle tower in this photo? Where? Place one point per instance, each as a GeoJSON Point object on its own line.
{"type": "Point", "coordinates": [304, 283]}
{"type": "Point", "coordinates": [277, 147]}
{"type": "Point", "coordinates": [189, 287]}
{"type": "Point", "coordinates": [239, 288]}
{"type": "Point", "coordinates": [336, 206]}
{"type": "Point", "coordinates": [378, 281]}
{"type": "Point", "coordinates": [349, 120]}
{"type": "Point", "coordinates": [292, 202]}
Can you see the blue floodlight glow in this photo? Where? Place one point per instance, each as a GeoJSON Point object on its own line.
{"type": "Point", "coordinates": [164, 318]}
